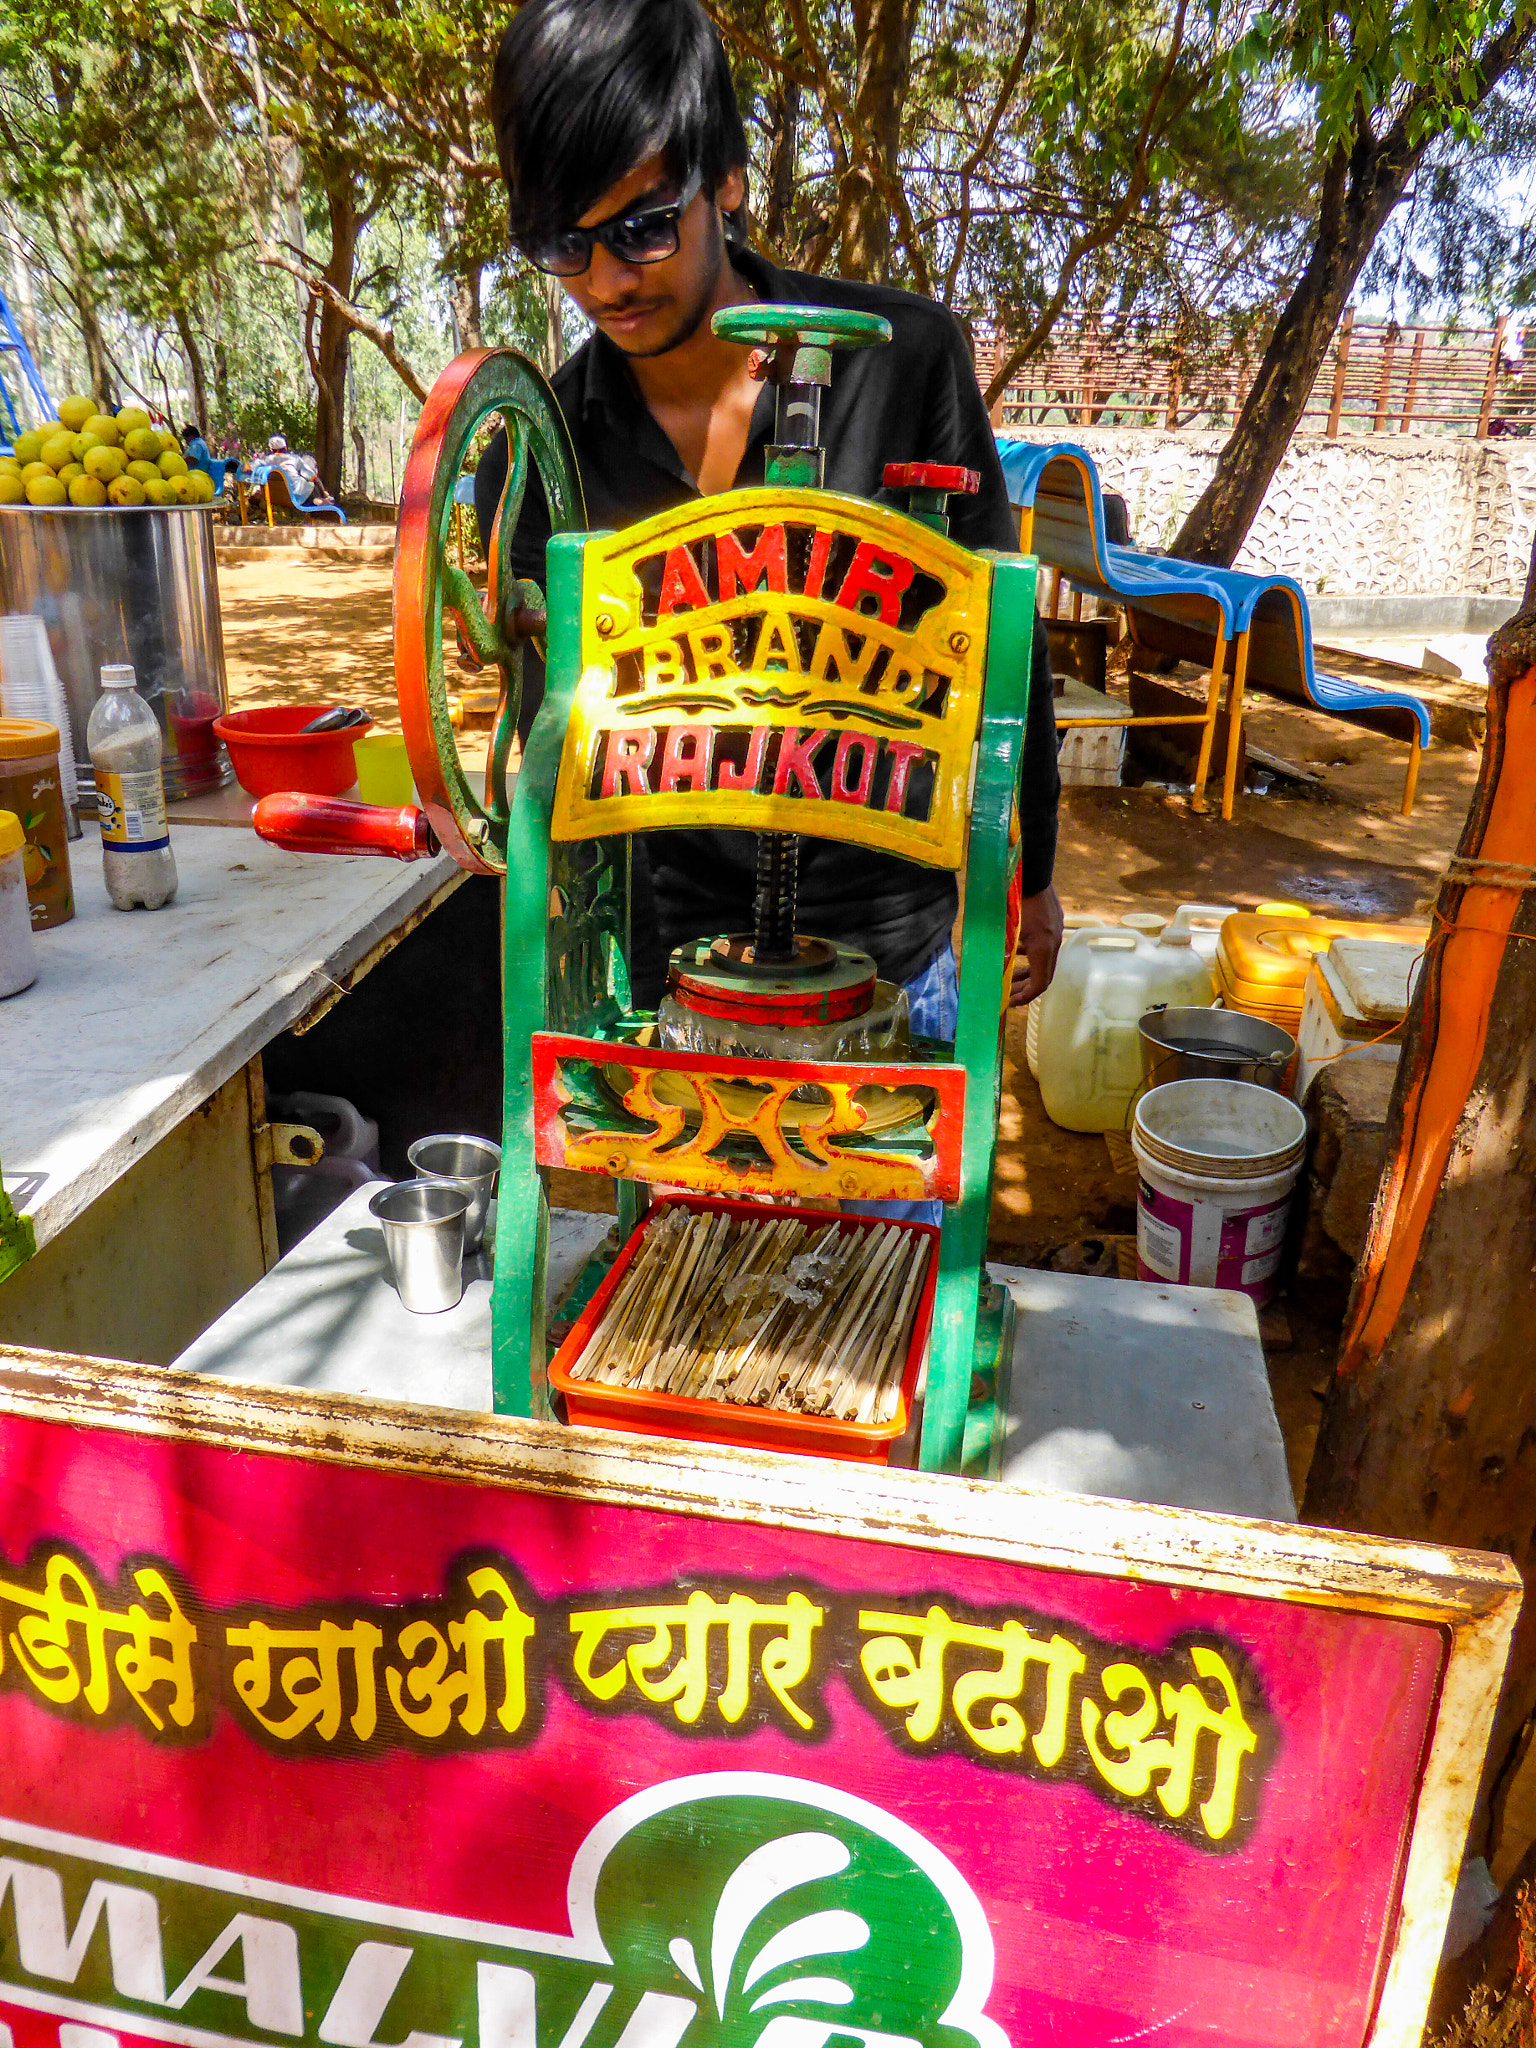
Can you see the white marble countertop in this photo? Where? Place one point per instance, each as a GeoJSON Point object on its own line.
{"type": "Point", "coordinates": [328, 1318]}
{"type": "Point", "coordinates": [136, 1017]}
{"type": "Point", "coordinates": [1120, 1389]}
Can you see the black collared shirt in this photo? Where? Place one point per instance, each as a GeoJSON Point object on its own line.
{"type": "Point", "coordinates": [915, 400]}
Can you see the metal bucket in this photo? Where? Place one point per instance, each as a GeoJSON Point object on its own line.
{"type": "Point", "coordinates": [135, 585]}
{"type": "Point", "coordinates": [1212, 1045]}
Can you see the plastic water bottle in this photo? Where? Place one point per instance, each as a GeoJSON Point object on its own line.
{"type": "Point", "coordinates": [124, 744]}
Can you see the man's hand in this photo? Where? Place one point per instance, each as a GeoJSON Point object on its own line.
{"type": "Point", "coordinates": [1040, 931]}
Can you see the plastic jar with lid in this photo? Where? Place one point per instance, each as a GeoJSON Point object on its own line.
{"type": "Point", "coordinates": [18, 954]}
{"type": "Point", "coordinates": [1090, 1037]}
{"type": "Point", "coordinates": [30, 786]}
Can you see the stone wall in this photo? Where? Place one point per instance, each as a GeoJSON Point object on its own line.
{"type": "Point", "coordinates": [1362, 514]}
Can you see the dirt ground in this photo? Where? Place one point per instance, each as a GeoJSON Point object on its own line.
{"type": "Point", "coordinates": [318, 631]}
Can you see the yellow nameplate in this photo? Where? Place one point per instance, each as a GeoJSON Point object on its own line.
{"type": "Point", "coordinates": [774, 660]}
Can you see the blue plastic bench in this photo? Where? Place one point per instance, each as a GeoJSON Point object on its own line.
{"type": "Point", "coordinates": [273, 484]}
{"type": "Point", "coordinates": [1193, 610]}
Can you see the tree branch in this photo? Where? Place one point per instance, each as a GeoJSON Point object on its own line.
{"type": "Point", "coordinates": [1096, 238]}
{"type": "Point", "coordinates": [968, 169]}
{"type": "Point", "coordinates": [467, 165]}
{"type": "Point", "coordinates": [760, 52]}
{"type": "Point", "coordinates": [376, 331]}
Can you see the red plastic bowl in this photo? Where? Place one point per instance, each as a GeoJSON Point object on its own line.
{"type": "Point", "coordinates": [270, 754]}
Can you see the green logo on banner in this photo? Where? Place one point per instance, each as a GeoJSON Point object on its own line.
{"type": "Point", "coordinates": [727, 1910]}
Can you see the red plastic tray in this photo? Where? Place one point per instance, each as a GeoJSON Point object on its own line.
{"type": "Point", "coordinates": [648, 1412]}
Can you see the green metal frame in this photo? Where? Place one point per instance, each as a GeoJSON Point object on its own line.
{"type": "Point", "coordinates": [566, 940]}
{"type": "Point", "coordinates": [566, 943]}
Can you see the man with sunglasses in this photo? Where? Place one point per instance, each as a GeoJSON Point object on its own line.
{"type": "Point", "coordinates": [622, 146]}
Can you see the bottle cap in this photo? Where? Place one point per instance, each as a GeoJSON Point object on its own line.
{"type": "Point", "coordinates": [12, 839]}
{"type": "Point", "coordinates": [118, 675]}
{"type": "Point", "coordinates": [23, 739]}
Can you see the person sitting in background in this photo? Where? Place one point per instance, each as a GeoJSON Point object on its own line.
{"type": "Point", "coordinates": [301, 473]}
{"type": "Point", "coordinates": [194, 446]}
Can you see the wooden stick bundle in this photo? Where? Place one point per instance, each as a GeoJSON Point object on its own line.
{"type": "Point", "coordinates": [768, 1312]}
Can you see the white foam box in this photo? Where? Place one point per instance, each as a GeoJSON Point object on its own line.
{"type": "Point", "coordinates": [1354, 1001]}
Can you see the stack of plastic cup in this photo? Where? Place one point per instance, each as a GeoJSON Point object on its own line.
{"type": "Point", "coordinates": [30, 688]}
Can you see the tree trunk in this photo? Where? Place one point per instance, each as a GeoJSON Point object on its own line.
{"type": "Point", "coordinates": [464, 302]}
{"type": "Point", "coordinates": [1512, 648]}
{"type": "Point", "coordinates": [76, 242]}
{"type": "Point", "coordinates": [289, 183]}
{"type": "Point", "coordinates": [883, 31]}
{"type": "Point", "coordinates": [327, 331]}
{"type": "Point", "coordinates": [194, 356]}
{"type": "Point", "coordinates": [359, 448]}
{"type": "Point", "coordinates": [782, 112]}
{"type": "Point", "coordinates": [554, 325]}
{"type": "Point", "coordinates": [1429, 1427]}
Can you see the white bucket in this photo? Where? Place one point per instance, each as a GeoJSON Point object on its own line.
{"type": "Point", "coordinates": [1219, 1163]}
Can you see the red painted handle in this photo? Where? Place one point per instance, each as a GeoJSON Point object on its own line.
{"type": "Point", "coordinates": [323, 824]}
{"type": "Point", "coordinates": [932, 476]}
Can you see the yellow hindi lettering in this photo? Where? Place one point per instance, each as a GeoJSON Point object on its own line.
{"type": "Point", "coordinates": [142, 1667]}
{"type": "Point", "coordinates": [679, 1677]}
{"type": "Point", "coordinates": [61, 1643]}
{"type": "Point", "coordinates": [916, 1684]}
{"type": "Point", "coordinates": [42, 1639]}
{"type": "Point", "coordinates": [437, 1690]}
{"type": "Point", "coordinates": [1143, 1755]}
{"type": "Point", "coordinates": [1193, 1716]}
{"type": "Point", "coordinates": [311, 1683]}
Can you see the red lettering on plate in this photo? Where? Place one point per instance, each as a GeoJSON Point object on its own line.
{"type": "Point", "coordinates": [729, 776]}
{"type": "Point", "coordinates": [816, 568]}
{"type": "Point", "coordinates": [682, 587]}
{"type": "Point", "coordinates": [795, 763]}
{"type": "Point", "coordinates": [686, 758]}
{"type": "Point", "coordinates": [630, 748]}
{"type": "Point", "coordinates": [902, 753]}
{"type": "Point", "coordinates": [873, 573]}
{"type": "Point", "coordinates": [844, 791]}
{"type": "Point", "coordinates": [740, 572]}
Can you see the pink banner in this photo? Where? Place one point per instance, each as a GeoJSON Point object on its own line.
{"type": "Point", "coordinates": [296, 1751]}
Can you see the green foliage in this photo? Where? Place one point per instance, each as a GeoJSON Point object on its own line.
{"type": "Point", "coordinates": [167, 165]}
{"type": "Point", "coordinates": [267, 410]}
{"type": "Point", "coordinates": [1111, 158]}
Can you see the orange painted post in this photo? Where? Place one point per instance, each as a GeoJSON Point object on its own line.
{"type": "Point", "coordinates": [1384, 381]}
{"type": "Point", "coordinates": [1341, 364]}
{"type": "Point", "coordinates": [1234, 726]}
{"type": "Point", "coordinates": [1474, 923]}
{"type": "Point", "coordinates": [1208, 736]}
{"type": "Point", "coordinates": [1411, 394]}
{"type": "Point", "coordinates": [1491, 381]}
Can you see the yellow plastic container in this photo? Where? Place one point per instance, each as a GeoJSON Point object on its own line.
{"type": "Point", "coordinates": [1263, 956]}
{"type": "Point", "coordinates": [383, 771]}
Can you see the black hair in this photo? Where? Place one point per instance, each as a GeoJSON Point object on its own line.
{"type": "Point", "coordinates": [190, 433]}
{"type": "Point", "coordinates": [583, 90]}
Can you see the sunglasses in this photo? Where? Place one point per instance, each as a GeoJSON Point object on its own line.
{"type": "Point", "coordinates": [650, 236]}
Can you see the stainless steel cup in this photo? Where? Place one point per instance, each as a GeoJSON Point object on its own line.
{"type": "Point", "coordinates": [468, 1163]}
{"type": "Point", "coordinates": [424, 1234]}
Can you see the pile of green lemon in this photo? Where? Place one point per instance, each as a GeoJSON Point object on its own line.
{"type": "Point", "coordinates": [90, 457]}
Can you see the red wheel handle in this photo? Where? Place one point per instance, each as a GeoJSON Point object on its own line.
{"type": "Point", "coordinates": [324, 824]}
{"type": "Point", "coordinates": [932, 476]}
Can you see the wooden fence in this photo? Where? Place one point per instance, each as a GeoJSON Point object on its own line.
{"type": "Point", "coordinates": [1377, 378]}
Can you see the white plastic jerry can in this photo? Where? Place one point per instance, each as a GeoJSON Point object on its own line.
{"type": "Point", "coordinates": [1089, 1045]}
{"type": "Point", "coordinates": [1075, 923]}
